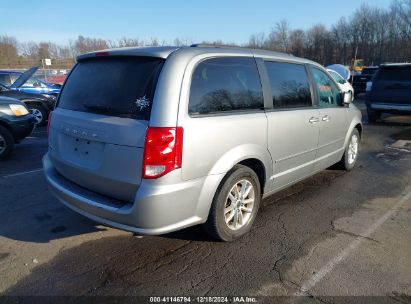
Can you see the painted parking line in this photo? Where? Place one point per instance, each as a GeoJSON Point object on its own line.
{"type": "Point", "coordinates": [312, 281]}
{"type": "Point", "coordinates": [318, 276]}
{"type": "Point", "coordinates": [22, 173]}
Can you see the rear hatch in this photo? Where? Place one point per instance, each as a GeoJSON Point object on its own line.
{"type": "Point", "coordinates": [98, 129]}
{"type": "Point", "coordinates": [392, 84]}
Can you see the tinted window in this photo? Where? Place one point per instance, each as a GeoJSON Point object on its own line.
{"type": "Point", "coordinates": [327, 91]}
{"type": "Point", "coordinates": [394, 74]}
{"type": "Point", "coordinates": [289, 85]}
{"type": "Point", "coordinates": [225, 84]}
{"type": "Point", "coordinates": [116, 86]}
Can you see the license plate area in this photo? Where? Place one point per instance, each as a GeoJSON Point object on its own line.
{"type": "Point", "coordinates": [82, 152]}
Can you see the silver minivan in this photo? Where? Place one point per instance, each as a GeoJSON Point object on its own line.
{"type": "Point", "coordinates": [153, 140]}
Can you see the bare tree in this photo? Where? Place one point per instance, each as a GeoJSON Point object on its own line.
{"type": "Point", "coordinates": [257, 40]}
{"type": "Point", "coordinates": [8, 51]}
{"type": "Point", "coordinates": [381, 35]}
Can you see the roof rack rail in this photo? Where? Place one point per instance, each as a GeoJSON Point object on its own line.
{"type": "Point", "coordinates": [208, 45]}
{"type": "Point", "coordinates": [212, 45]}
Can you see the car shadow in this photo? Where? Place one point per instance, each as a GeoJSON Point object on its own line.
{"type": "Point", "coordinates": [29, 213]}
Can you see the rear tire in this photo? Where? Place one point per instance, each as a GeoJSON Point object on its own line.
{"type": "Point", "coordinates": [350, 156]}
{"type": "Point", "coordinates": [39, 113]}
{"type": "Point", "coordinates": [6, 143]}
{"type": "Point", "coordinates": [235, 205]}
{"type": "Point", "coordinates": [373, 115]}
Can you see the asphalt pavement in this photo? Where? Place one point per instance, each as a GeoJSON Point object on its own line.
{"type": "Point", "coordinates": [334, 234]}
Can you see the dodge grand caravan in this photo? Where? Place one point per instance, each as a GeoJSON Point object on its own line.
{"type": "Point", "coordinates": [153, 140]}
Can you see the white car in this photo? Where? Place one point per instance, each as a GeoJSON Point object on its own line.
{"type": "Point", "coordinates": [344, 85]}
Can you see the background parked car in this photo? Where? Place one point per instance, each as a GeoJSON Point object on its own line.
{"type": "Point", "coordinates": [15, 124]}
{"type": "Point", "coordinates": [39, 105]}
{"type": "Point", "coordinates": [359, 81]}
{"type": "Point", "coordinates": [389, 91]}
{"type": "Point", "coordinates": [344, 85]}
{"type": "Point", "coordinates": [32, 85]}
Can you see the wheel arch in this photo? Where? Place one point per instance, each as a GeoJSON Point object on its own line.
{"type": "Point", "coordinates": [358, 126]}
{"type": "Point", "coordinates": [355, 124]}
{"type": "Point", "coordinates": [36, 102]}
{"type": "Point", "coordinates": [7, 127]}
{"type": "Point", "coordinates": [253, 156]}
{"type": "Point", "coordinates": [257, 159]}
{"type": "Point", "coordinates": [258, 167]}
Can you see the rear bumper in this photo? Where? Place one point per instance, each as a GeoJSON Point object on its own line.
{"type": "Point", "coordinates": [157, 209]}
{"type": "Point", "coordinates": [390, 107]}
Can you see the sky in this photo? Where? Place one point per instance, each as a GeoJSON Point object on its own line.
{"type": "Point", "coordinates": [196, 21]}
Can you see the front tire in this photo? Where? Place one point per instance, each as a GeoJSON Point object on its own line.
{"type": "Point", "coordinates": [39, 113]}
{"type": "Point", "coordinates": [235, 205]}
{"type": "Point", "coordinates": [6, 143]}
{"type": "Point", "coordinates": [350, 156]}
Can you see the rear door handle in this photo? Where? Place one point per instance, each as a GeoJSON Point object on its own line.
{"type": "Point", "coordinates": [314, 120]}
{"type": "Point", "coordinates": [326, 118]}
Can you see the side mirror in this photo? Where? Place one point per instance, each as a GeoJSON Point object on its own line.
{"type": "Point", "coordinates": [346, 97]}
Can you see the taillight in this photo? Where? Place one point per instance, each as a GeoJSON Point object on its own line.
{"type": "Point", "coordinates": [49, 121]}
{"type": "Point", "coordinates": [163, 151]}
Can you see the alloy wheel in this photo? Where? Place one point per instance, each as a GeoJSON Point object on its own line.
{"type": "Point", "coordinates": [239, 204]}
{"type": "Point", "coordinates": [353, 149]}
{"type": "Point", "coordinates": [37, 115]}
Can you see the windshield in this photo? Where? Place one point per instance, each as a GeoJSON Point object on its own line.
{"type": "Point", "coordinates": [115, 86]}
{"type": "Point", "coordinates": [337, 77]}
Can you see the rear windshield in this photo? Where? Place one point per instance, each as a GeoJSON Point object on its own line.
{"type": "Point", "coordinates": [115, 86]}
{"type": "Point", "coordinates": [398, 73]}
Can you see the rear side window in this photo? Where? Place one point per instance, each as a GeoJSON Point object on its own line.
{"type": "Point", "coordinates": [397, 73]}
{"type": "Point", "coordinates": [114, 86]}
{"type": "Point", "coordinates": [225, 85]}
{"type": "Point", "coordinates": [289, 85]}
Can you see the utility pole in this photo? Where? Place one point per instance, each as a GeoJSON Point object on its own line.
{"type": "Point", "coordinates": [353, 64]}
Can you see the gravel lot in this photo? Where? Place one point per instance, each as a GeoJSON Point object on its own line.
{"type": "Point", "coordinates": [335, 234]}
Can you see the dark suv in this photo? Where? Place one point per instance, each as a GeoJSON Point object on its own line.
{"type": "Point", "coordinates": [389, 91]}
